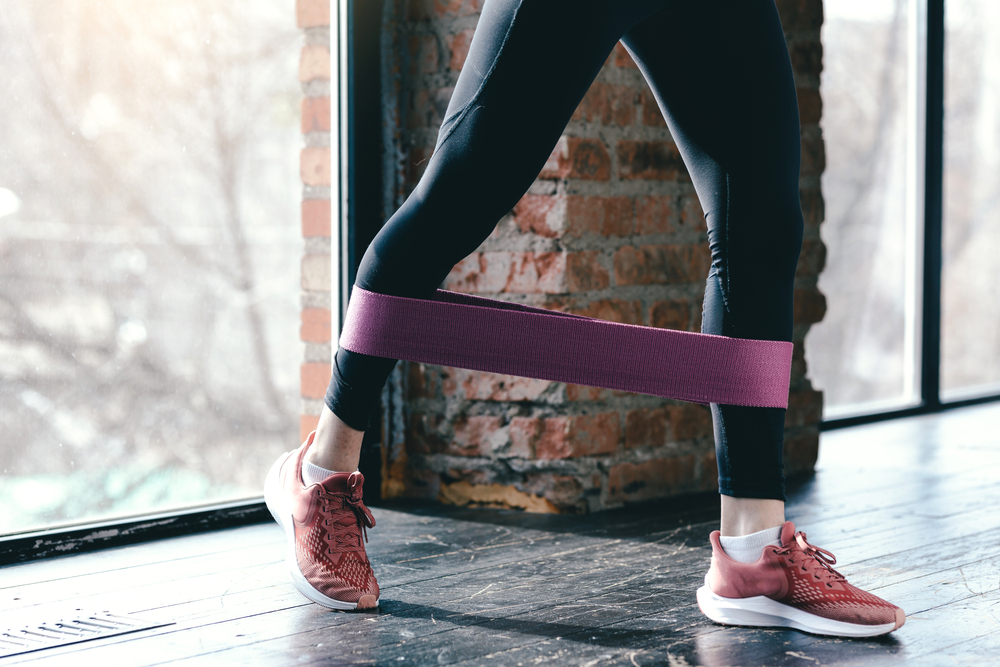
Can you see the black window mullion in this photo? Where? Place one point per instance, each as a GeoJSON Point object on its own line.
{"type": "Point", "coordinates": [930, 356]}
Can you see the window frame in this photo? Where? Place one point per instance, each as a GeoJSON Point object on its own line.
{"type": "Point", "coordinates": [933, 202]}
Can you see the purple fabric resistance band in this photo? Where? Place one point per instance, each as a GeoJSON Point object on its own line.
{"type": "Point", "coordinates": [477, 333]}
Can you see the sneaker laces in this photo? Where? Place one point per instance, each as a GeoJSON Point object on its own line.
{"type": "Point", "coordinates": [350, 503]}
{"type": "Point", "coordinates": [820, 561]}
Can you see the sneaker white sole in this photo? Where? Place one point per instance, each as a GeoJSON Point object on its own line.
{"type": "Point", "coordinates": [274, 500]}
{"type": "Point", "coordinates": [763, 611]}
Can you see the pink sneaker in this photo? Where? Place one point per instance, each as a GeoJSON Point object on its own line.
{"type": "Point", "coordinates": [792, 586]}
{"type": "Point", "coordinates": [324, 524]}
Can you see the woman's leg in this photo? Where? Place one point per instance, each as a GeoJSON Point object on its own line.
{"type": "Point", "coordinates": [529, 65]}
{"type": "Point", "coordinates": [721, 74]}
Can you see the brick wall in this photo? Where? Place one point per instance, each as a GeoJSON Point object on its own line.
{"type": "Point", "coordinates": [611, 228]}
{"type": "Point", "coordinates": [313, 17]}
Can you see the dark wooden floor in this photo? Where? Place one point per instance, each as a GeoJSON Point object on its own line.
{"type": "Point", "coordinates": [911, 509]}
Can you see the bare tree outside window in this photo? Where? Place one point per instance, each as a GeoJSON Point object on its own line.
{"type": "Point", "coordinates": [149, 254]}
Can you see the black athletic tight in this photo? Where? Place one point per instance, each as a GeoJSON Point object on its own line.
{"type": "Point", "coordinates": [721, 75]}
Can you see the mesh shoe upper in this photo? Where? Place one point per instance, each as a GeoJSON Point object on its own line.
{"type": "Point", "coordinates": [331, 522]}
{"type": "Point", "coordinates": [800, 575]}
{"type": "Point", "coordinates": [814, 586]}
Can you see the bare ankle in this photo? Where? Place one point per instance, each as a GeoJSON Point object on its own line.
{"type": "Point", "coordinates": [336, 446]}
{"type": "Point", "coordinates": [743, 516]}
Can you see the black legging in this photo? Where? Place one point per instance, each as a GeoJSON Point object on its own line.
{"type": "Point", "coordinates": [721, 75]}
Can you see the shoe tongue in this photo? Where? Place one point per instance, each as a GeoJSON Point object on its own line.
{"type": "Point", "coordinates": [787, 533]}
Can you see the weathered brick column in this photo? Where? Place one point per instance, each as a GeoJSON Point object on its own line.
{"type": "Point", "coordinates": [611, 228]}
{"type": "Point", "coordinates": [313, 17]}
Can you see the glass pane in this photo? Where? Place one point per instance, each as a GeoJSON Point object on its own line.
{"type": "Point", "coordinates": [862, 354]}
{"type": "Point", "coordinates": [970, 318]}
{"type": "Point", "coordinates": [149, 254]}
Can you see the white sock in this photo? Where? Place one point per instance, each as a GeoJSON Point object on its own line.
{"type": "Point", "coordinates": [747, 548]}
{"type": "Point", "coordinates": [313, 474]}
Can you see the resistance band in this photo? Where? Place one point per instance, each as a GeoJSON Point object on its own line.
{"type": "Point", "coordinates": [477, 333]}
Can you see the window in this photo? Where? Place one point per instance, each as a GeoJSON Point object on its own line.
{"type": "Point", "coordinates": [913, 318]}
{"type": "Point", "coordinates": [149, 254]}
{"type": "Point", "coordinates": [863, 355]}
{"type": "Point", "coordinates": [970, 335]}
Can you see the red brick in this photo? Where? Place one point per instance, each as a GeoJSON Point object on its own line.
{"type": "Point", "coordinates": [423, 50]}
{"type": "Point", "coordinates": [459, 47]}
{"type": "Point", "coordinates": [655, 215]}
{"type": "Point", "coordinates": [420, 382]}
{"type": "Point", "coordinates": [314, 378]}
{"type": "Point", "coordinates": [580, 392]}
{"type": "Point", "coordinates": [636, 482]}
{"type": "Point", "coordinates": [613, 310]}
{"type": "Point", "coordinates": [671, 314]}
{"type": "Point", "coordinates": [307, 424]}
{"type": "Point", "coordinates": [579, 435]}
{"type": "Point", "coordinates": [482, 386]}
{"type": "Point", "coordinates": [314, 166]}
{"type": "Point", "coordinates": [315, 114]}
{"type": "Point", "coordinates": [661, 264]}
{"type": "Point", "coordinates": [472, 435]}
{"type": "Point", "coordinates": [651, 114]}
{"type": "Point", "coordinates": [315, 325]}
{"type": "Point", "coordinates": [607, 104]}
{"type": "Point", "coordinates": [584, 271]}
{"type": "Point", "coordinates": [657, 160]}
{"type": "Point", "coordinates": [315, 217]}
{"type": "Point", "coordinates": [809, 305]}
{"type": "Point", "coordinates": [314, 63]}
{"type": "Point", "coordinates": [812, 259]}
{"type": "Point", "coordinates": [598, 215]}
{"type": "Point", "coordinates": [810, 106]}
{"type": "Point", "coordinates": [692, 214]}
{"type": "Point", "coordinates": [576, 157]}
{"type": "Point", "coordinates": [524, 433]}
{"type": "Point", "coordinates": [622, 58]}
{"type": "Point", "coordinates": [312, 13]}
{"type": "Point", "coordinates": [544, 215]}
{"type": "Point", "coordinates": [646, 427]}
{"type": "Point", "coordinates": [690, 422]}
{"type": "Point", "coordinates": [519, 272]}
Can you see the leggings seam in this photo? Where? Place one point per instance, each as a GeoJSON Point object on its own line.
{"type": "Point", "coordinates": [724, 288]}
{"type": "Point", "coordinates": [460, 113]}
